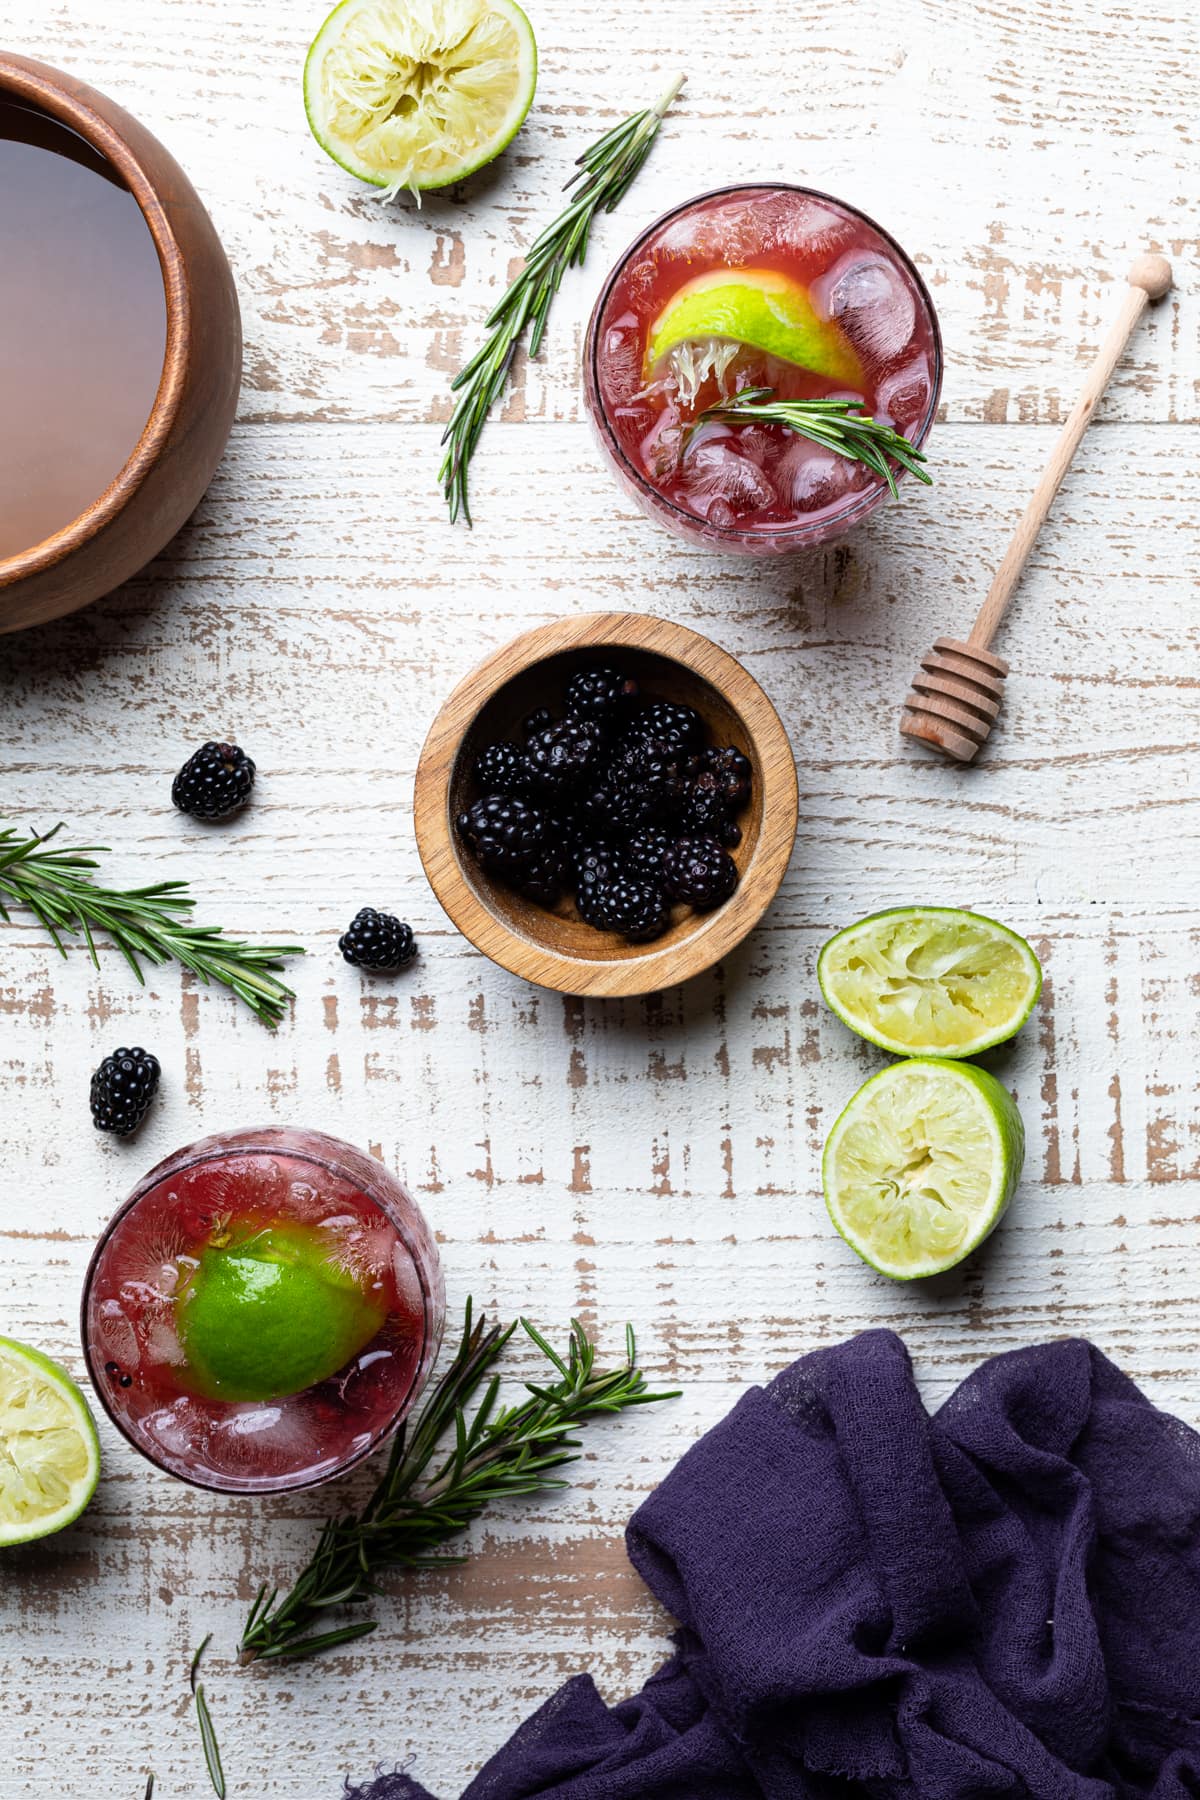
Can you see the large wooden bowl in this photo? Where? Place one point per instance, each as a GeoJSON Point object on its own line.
{"type": "Point", "coordinates": [556, 949]}
{"type": "Point", "coordinates": [174, 459]}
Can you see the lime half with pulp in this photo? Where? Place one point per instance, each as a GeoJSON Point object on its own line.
{"type": "Point", "coordinates": [922, 1164]}
{"type": "Point", "coordinates": [49, 1451]}
{"type": "Point", "coordinates": [762, 308]}
{"type": "Point", "coordinates": [271, 1316]}
{"type": "Point", "coordinates": [930, 980]}
{"type": "Point", "coordinates": [418, 93]}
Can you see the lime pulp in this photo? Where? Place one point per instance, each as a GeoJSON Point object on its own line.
{"type": "Point", "coordinates": [930, 980]}
{"type": "Point", "coordinates": [271, 1316]}
{"type": "Point", "coordinates": [419, 93]}
{"type": "Point", "coordinates": [922, 1164]}
{"type": "Point", "coordinates": [49, 1450]}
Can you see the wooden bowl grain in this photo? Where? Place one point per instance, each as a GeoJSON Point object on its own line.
{"type": "Point", "coordinates": [174, 459]}
{"type": "Point", "coordinates": [556, 949]}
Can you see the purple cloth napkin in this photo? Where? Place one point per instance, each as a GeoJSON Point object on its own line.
{"type": "Point", "coordinates": [1001, 1600]}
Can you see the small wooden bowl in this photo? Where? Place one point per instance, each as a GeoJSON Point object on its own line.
{"type": "Point", "coordinates": [174, 459]}
{"type": "Point", "coordinates": [556, 949]}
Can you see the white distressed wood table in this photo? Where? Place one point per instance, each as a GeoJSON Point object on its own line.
{"type": "Point", "coordinates": [654, 1160]}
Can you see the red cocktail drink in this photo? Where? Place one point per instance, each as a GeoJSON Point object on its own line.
{"type": "Point", "coordinates": [263, 1310]}
{"type": "Point", "coordinates": [770, 287]}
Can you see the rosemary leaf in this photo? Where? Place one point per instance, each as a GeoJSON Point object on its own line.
{"type": "Point", "coordinates": [838, 425]}
{"type": "Point", "coordinates": [149, 1795]}
{"type": "Point", "coordinates": [208, 1741]}
{"type": "Point", "coordinates": [499, 1454]}
{"type": "Point", "coordinates": [603, 175]}
{"type": "Point", "coordinates": [146, 924]}
{"type": "Point", "coordinates": [195, 1668]}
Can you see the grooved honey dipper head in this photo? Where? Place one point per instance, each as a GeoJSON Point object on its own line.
{"type": "Point", "coordinates": [955, 699]}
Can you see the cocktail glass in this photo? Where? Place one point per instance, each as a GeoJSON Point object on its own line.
{"type": "Point", "coordinates": [751, 488]}
{"type": "Point", "coordinates": [233, 1190]}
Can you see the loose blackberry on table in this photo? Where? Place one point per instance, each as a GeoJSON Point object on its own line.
{"type": "Point", "coordinates": [122, 1089]}
{"type": "Point", "coordinates": [378, 941]}
{"type": "Point", "coordinates": [621, 803]}
{"type": "Point", "coordinates": [214, 782]}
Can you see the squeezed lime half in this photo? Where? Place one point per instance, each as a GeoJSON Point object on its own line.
{"type": "Point", "coordinates": [418, 93]}
{"type": "Point", "coordinates": [49, 1451]}
{"type": "Point", "coordinates": [271, 1317]}
{"type": "Point", "coordinates": [762, 308]}
{"type": "Point", "coordinates": [922, 1164]}
{"type": "Point", "coordinates": [930, 980]}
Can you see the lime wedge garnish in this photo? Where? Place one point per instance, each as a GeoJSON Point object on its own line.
{"type": "Point", "coordinates": [270, 1317]}
{"type": "Point", "coordinates": [418, 93]}
{"type": "Point", "coordinates": [761, 308]}
{"type": "Point", "coordinates": [49, 1451]}
{"type": "Point", "coordinates": [921, 1165]}
{"type": "Point", "coordinates": [930, 980]}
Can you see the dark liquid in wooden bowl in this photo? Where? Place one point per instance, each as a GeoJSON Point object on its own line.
{"type": "Point", "coordinates": [83, 326]}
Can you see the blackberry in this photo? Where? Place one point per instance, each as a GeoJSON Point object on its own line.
{"type": "Point", "coordinates": [214, 783]}
{"type": "Point", "coordinates": [501, 769]}
{"type": "Point", "coordinates": [122, 1089]}
{"type": "Point", "coordinates": [650, 767]}
{"type": "Point", "coordinates": [536, 721]}
{"type": "Point", "coordinates": [706, 806]}
{"type": "Point", "coordinates": [698, 871]}
{"type": "Point", "coordinates": [559, 757]}
{"type": "Point", "coordinates": [595, 865]}
{"type": "Point", "coordinates": [731, 769]}
{"type": "Point", "coordinates": [679, 727]}
{"type": "Point", "coordinates": [600, 695]}
{"type": "Point", "coordinates": [546, 878]}
{"type": "Point", "coordinates": [377, 940]}
{"type": "Point", "coordinates": [504, 833]}
{"type": "Point", "coordinates": [635, 908]}
{"type": "Point", "coordinates": [645, 851]}
{"type": "Point", "coordinates": [612, 811]}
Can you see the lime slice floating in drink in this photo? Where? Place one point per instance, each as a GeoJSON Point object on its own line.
{"type": "Point", "coordinates": [922, 1164]}
{"type": "Point", "coordinates": [418, 93]}
{"type": "Point", "coordinates": [271, 1317]}
{"type": "Point", "coordinates": [49, 1451]}
{"type": "Point", "coordinates": [930, 980]}
{"type": "Point", "coordinates": [759, 307]}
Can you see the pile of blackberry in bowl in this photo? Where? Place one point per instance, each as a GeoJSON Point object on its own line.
{"type": "Point", "coordinates": [617, 802]}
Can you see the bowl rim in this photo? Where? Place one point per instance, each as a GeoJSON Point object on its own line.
{"type": "Point", "coordinates": [788, 537]}
{"type": "Point", "coordinates": [654, 966]}
{"type": "Point", "coordinates": [64, 98]}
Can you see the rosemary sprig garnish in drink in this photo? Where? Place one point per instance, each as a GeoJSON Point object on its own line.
{"type": "Point", "coordinates": [840, 425]}
{"type": "Point", "coordinates": [604, 173]}
{"type": "Point", "coordinates": [421, 1502]}
{"type": "Point", "coordinates": [146, 924]}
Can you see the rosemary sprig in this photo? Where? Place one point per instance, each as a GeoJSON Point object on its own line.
{"type": "Point", "coordinates": [840, 425]}
{"type": "Point", "coordinates": [146, 924]}
{"type": "Point", "coordinates": [208, 1742]}
{"type": "Point", "coordinates": [421, 1500]}
{"type": "Point", "coordinates": [604, 173]}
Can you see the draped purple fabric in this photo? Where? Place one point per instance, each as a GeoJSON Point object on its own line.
{"type": "Point", "coordinates": [1001, 1600]}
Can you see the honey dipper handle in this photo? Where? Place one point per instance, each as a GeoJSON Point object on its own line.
{"type": "Point", "coordinates": [1149, 279]}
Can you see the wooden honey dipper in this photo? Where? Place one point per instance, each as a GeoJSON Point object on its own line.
{"type": "Point", "coordinates": [956, 693]}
